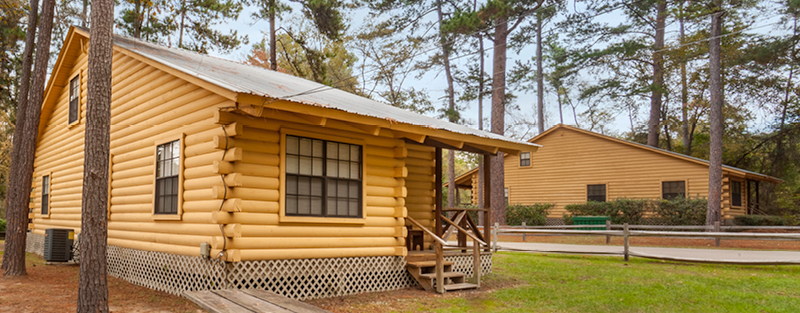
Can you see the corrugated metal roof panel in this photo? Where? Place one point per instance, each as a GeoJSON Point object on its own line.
{"type": "Point", "coordinates": [247, 79]}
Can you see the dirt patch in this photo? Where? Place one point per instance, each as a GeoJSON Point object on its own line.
{"type": "Point", "coordinates": [54, 288]}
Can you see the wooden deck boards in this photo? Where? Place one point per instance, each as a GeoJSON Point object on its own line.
{"type": "Point", "coordinates": [248, 301]}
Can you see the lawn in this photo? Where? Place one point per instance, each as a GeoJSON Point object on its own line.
{"type": "Point", "coordinates": [566, 283]}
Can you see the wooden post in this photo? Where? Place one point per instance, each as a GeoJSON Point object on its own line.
{"type": "Point", "coordinates": [494, 236]}
{"type": "Point", "coordinates": [716, 230]}
{"type": "Point", "coordinates": [523, 228]}
{"type": "Point", "coordinates": [462, 237]}
{"type": "Point", "coordinates": [626, 233]}
{"type": "Point", "coordinates": [476, 262]}
{"type": "Point", "coordinates": [487, 199]}
{"type": "Point", "coordinates": [608, 227]}
{"type": "Point", "coordinates": [439, 266]}
{"type": "Point", "coordinates": [438, 192]}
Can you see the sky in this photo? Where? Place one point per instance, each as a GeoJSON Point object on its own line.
{"type": "Point", "coordinates": [435, 83]}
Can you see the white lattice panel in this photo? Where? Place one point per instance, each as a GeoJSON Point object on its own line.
{"type": "Point", "coordinates": [321, 278]}
{"type": "Point", "coordinates": [34, 244]}
{"type": "Point", "coordinates": [463, 264]}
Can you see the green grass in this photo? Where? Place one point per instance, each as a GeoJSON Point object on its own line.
{"type": "Point", "coordinates": [565, 283]}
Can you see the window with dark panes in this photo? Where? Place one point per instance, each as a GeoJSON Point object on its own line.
{"type": "Point", "coordinates": [736, 193]}
{"type": "Point", "coordinates": [168, 163]}
{"type": "Point", "coordinates": [46, 194]}
{"type": "Point", "coordinates": [596, 193]}
{"type": "Point", "coordinates": [323, 178]}
{"type": "Point", "coordinates": [74, 98]}
{"type": "Point", "coordinates": [525, 159]}
{"type": "Point", "coordinates": [673, 189]}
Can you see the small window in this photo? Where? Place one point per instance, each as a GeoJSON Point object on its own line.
{"type": "Point", "coordinates": [736, 193]}
{"type": "Point", "coordinates": [46, 195]}
{"type": "Point", "coordinates": [596, 193]}
{"type": "Point", "coordinates": [505, 191]}
{"type": "Point", "coordinates": [168, 160]}
{"type": "Point", "coordinates": [74, 98]}
{"type": "Point", "coordinates": [323, 178]}
{"type": "Point", "coordinates": [673, 189]}
{"type": "Point", "coordinates": [525, 159]}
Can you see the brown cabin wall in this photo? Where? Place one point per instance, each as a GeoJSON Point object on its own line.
{"type": "Point", "coordinates": [569, 160]}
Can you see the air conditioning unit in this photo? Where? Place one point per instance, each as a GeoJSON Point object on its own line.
{"type": "Point", "coordinates": [58, 244]}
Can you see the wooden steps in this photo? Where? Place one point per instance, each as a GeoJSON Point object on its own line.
{"type": "Point", "coordinates": [424, 272]}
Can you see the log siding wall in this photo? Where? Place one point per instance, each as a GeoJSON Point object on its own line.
{"type": "Point", "coordinates": [230, 175]}
{"type": "Point", "coordinates": [569, 161]}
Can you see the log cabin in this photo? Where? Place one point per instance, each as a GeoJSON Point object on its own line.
{"type": "Point", "coordinates": [576, 165]}
{"type": "Point", "coordinates": [225, 175]}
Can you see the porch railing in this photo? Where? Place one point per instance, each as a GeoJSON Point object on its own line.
{"type": "Point", "coordinates": [465, 227]}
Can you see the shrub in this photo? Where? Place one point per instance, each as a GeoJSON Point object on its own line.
{"type": "Point", "coordinates": [535, 214]}
{"type": "Point", "coordinates": [682, 211]}
{"type": "Point", "coordinates": [2, 224]}
{"type": "Point", "coordinates": [620, 210]}
{"type": "Point", "coordinates": [759, 220]}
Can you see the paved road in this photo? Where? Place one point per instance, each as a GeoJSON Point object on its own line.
{"type": "Point", "coordinates": [681, 254]}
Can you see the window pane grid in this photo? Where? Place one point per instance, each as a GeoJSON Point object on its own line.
{"type": "Point", "coordinates": [167, 174]}
{"type": "Point", "coordinates": [525, 159]}
{"type": "Point", "coordinates": [596, 193]}
{"type": "Point", "coordinates": [736, 193]}
{"type": "Point", "coordinates": [323, 178]}
{"type": "Point", "coordinates": [74, 98]}
{"type": "Point", "coordinates": [673, 189]}
{"type": "Point", "coordinates": [46, 194]}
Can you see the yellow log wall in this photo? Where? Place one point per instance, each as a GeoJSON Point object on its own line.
{"type": "Point", "coordinates": [569, 160]}
{"type": "Point", "coordinates": [230, 177]}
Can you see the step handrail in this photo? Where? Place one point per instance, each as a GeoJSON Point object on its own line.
{"type": "Point", "coordinates": [427, 231]}
{"type": "Point", "coordinates": [474, 238]}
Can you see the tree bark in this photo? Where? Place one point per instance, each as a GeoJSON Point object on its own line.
{"type": "Point", "coordinates": [451, 108]}
{"type": "Point", "coordinates": [481, 205]}
{"type": "Point", "coordinates": [687, 139]}
{"type": "Point", "coordinates": [658, 75]}
{"type": "Point", "coordinates": [24, 149]}
{"type": "Point", "coordinates": [137, 23]}
{"type": "Point", "coordinates": [715, 118]}
{"type": "Point", "coordinates": [539, 76]}
{"type": "Point", "coordinates": [93, 286]}
{"type": "Point", "coordinates": [498, 205]}
{"type": "Point", "coordinates": [273, 46]}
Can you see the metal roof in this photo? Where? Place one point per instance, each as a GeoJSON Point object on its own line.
{"type": "Point", "coordinates": [248, 79]}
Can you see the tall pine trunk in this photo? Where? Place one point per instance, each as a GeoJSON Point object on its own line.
{"type": "Point", "coordinates": [93, 286]}
{"type": "Point", "coordinates": [658, 75]}
{"type": "Point", "coordinates": [715, 118]}
{"type": "Point", "coordinates": [24, 150]}
{"type": "Point", "coordinates": [687, 138]}
{"type": "Point", "coordinates": [273, 46]}
{"type": "Point", "coordinates": [498, 205]}
{"type": "Point", "coordinates": [480, 126]}
{"type": "Point", "coordinates": [451, 108]}
{"type": "Point", "coordinates": [539, 75]}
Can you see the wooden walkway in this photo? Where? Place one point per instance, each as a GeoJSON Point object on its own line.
{"type": "Point", "coordinates": [248, 301]}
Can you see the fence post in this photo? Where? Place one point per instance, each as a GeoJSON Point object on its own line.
{"type": "Point", "coordinates": [608, 227]}
{"type": "Point", "coordinates": [494, 236]}
{"type": "Point", "coordinates": [626, 233]}
{"type": "Point", "coordinates": [716, 230]}
{"type": "Point", "coordinates": [523, 228]}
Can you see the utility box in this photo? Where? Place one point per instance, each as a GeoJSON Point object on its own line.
{"type": "Point", "coordinates": [591, 220]}
{"type": "Point", "coordinates": [58, 244]}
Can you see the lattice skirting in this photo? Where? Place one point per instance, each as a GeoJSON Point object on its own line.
{"type": "Point", "coordinates": [300, 279]}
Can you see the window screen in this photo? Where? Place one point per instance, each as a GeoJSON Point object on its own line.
{"type": "Point", "coordinates": [323, 178]}
{"type": "Point", "coordinates": [673, 189]}
{"type": "Point", "coordinates": [596, 193]}
{"type": "Point", "coordinates": [525, 159]}
{"type": "Point", "coordinates": [167, 173]}
{"type": "Point", "coordinates": [74, 98]}
{"type": "Point", "coordinates": [46, 194]}
{"type": "Point", "coordinates": [736, 193]}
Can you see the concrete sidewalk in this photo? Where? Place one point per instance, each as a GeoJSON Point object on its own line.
{"type": "Point", "coordinates": [678, 254]}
